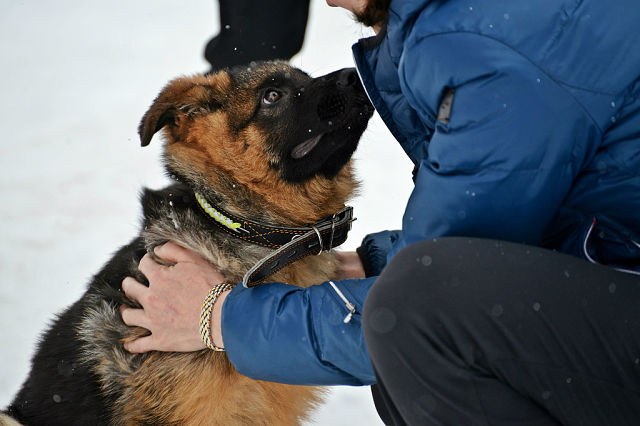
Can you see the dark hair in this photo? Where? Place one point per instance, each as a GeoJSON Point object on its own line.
{"type": "Point", "coordinates": [375, 13]}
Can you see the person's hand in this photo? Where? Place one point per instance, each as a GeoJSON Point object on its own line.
{"type": "Point", "coordinates": [350, 265]}
{"type": "Point", "coordinates": [171, 304]}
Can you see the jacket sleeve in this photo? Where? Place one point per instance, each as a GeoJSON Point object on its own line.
{"type": "Point", "coordinates": [281, 333]}
{"type": "Point", "coordinates": [502, 165]}
{"type": "Point", "coordinates": [374, 250]}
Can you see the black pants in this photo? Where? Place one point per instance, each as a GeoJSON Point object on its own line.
{"type": "Point", "coordinates": [467, 331]}
{"type": "Point", "coordinates": [257, 30]}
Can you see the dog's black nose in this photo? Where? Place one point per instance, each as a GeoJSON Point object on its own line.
{"type": "Point", "coordinates": [347, 77]}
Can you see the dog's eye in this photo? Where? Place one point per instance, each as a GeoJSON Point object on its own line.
{"type": "Point", "coordinates": [271, 96]}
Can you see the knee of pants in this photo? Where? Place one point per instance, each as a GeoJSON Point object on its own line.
{"type": "Point", "coordinates": [422, 288]}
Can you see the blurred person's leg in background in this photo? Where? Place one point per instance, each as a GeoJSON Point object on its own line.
{"type": "Point", "coordinates": [257, 30]}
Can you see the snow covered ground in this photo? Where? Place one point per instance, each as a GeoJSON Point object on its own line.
{"type": "Point", "coordinates": [75, 79]}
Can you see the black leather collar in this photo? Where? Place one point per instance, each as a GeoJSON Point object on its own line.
{"type": "Point", "coordinates": [290, 243]}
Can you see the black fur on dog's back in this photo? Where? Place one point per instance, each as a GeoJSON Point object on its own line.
{"type": "Point", "coordinates": [62, 390]}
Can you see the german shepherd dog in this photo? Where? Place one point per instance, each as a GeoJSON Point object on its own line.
{"type": "Point", "coordinates": [267, 142]}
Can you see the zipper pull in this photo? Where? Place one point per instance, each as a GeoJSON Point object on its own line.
{"type": "Point", "coordinates": [350, 306]}
{"type": "Point", "coordinates": [352, 311]}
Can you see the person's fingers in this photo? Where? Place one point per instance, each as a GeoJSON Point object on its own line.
{"type": "Point", "coordinates": [149, 267]}
{"type": "Point", "coordinates": [134, 317]}
{"type": "Point", "coordinates": [133, 289]}
{"type": "Point", "coordinates": [175, 253]}
{"type": "Point", "coordinates": [141, 345]}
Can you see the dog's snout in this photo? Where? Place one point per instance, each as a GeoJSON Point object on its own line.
{"type": "Point", "coordinates": [340, 95]}
{"type": "Point", "coordinates": [332, 106]}
{"type": "Point", "coordinates": [347, 77]}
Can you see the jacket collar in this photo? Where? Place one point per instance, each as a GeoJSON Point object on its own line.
{"type": "Point", "coordinates": [377, 60]}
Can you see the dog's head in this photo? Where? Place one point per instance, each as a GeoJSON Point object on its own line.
{"type": "Point", "coordinates": [269, 128]}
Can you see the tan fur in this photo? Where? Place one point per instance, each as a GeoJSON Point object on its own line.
{"type": "Point", "coordinates": [209, 145]}
{"type": "Point", "coordinates": [204, 389]}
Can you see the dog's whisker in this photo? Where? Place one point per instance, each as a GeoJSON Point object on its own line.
{"type": "Point", "coordinates": [174, 218]}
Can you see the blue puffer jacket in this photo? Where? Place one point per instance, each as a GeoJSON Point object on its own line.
{"type": "Point", "coordinates": [541, 145]}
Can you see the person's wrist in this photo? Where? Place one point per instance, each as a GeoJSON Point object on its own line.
{"type": "Point", "coordinates": [216, 319]}
{"type": "Point", "coordinates": [210, 315]}
{"type": "Point", "coordinates": [350, 265]}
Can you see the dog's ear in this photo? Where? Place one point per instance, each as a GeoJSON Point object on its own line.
{"type": "Point", "coordinates": [160, 114]}
{"type": "Point", "coordinates": [167, 108]}
{"type": "Point", "coordinates": [182, 97]}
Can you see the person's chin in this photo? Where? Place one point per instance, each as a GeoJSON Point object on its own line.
{"type": "Point", "coordinates": [339, 3]}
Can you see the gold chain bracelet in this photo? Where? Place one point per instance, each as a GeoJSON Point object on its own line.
{"type": "Point", "coordinates": [205, 314]}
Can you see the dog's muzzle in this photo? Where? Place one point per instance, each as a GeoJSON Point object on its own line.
{"type": "Point", "coordinates": [332, 106]}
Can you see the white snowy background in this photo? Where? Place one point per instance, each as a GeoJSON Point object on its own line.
{"type": "Point", "coordinates": [75, 79]}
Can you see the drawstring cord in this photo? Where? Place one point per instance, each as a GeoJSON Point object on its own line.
{"type": "Point", "coordinates": [350, 306]}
